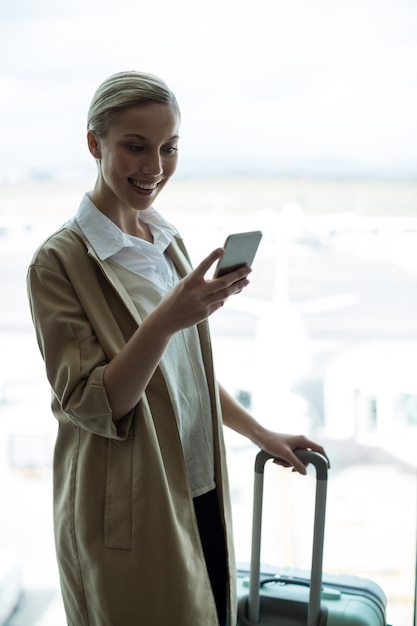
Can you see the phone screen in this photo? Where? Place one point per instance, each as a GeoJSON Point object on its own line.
{"type": "Point", "coordinates": [240, 250]}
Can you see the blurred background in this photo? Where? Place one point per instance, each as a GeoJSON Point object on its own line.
{"type": "Point", "coordinates": [298, 120]}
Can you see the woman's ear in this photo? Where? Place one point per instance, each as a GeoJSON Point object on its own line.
{"type": "Point", "coordinates": [93, 144]}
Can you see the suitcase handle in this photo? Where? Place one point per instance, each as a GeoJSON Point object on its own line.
{"type": "Point", "coordinates": [284, 580]}
{"type": "Point", "coordinates": [320, 464]}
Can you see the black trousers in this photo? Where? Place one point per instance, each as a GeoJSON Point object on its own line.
{"type": "Point", "coordinates": [212, 536]}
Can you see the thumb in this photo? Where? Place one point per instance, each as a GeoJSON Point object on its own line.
{"type": "Point", "coordinates": [203, 267]}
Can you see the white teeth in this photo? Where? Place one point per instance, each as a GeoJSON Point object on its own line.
{"type": "Point", "coordinates": [144, 186]}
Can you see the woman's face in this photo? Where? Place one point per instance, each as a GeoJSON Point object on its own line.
{"type": "Point", "coordinates": [137, 156]}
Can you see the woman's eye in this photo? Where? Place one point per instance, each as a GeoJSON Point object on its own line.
{"type": "Point", "coordinates": [170, 149]}
{"type": "Point", "coordinates": [134, 148]}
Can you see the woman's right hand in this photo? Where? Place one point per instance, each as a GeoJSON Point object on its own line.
{"type": "Point", "coordinates": [192, 300]}
{"type": "Point", "coordinates": [195, 297]}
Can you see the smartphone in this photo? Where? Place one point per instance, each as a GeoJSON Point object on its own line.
{"type": "Point", "coordinates": [239, 250]}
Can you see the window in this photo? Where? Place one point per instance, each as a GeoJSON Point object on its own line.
{"type": "Point", "coordinates": [299, 120]}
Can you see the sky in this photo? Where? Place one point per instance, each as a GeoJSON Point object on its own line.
{"type": "Point", "coordinates": [276, 87]}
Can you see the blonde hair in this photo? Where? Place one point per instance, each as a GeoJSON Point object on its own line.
{"type": "Point", "coordinates": [123, 90]}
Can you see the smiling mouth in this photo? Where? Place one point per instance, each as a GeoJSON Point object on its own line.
{"type": "Point", "coordinates": [144, 186]}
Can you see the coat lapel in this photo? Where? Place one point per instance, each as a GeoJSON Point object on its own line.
{"type": "Point", "coordinates": [117, 285]}
{"type": "Point", "coordinates": [179, 256]}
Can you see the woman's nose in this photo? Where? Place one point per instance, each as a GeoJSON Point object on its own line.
{"type": "Point", "coordinates": [152, 164]}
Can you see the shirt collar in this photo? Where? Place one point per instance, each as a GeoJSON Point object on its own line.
{"type": "Point", "coordinates": [107, 239]}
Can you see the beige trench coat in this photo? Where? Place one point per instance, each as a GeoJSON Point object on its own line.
{"type": "Point", "coordinates": [127, 541]}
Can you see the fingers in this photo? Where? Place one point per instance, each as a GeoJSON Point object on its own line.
{"type": "Point", "coordinates": [219, 289]}
{"type": "Point", "coordinates": [288, 458]}
{"type": "Point", "coordinates": [227, 279]}
{"type": "Point", "coordinates": [231, 283]}
{"type": "Point", "coordinates": [203, 267]}
{"type": "Point", "coordinates": [298, 466]}
{"type": "Point", "coordinates": [194, 298]}
{"type": "Point", "coordinates": [315, 447]}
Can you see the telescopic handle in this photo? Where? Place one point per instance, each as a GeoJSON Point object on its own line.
{"type": "Point", "coordinates": [320, 464]}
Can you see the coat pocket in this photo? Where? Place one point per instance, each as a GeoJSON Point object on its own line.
{"type": "Point", "coordinates": [118, 511]}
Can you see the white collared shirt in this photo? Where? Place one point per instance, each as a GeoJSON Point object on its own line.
{"type": "Point", "coordinates": [147, 259]}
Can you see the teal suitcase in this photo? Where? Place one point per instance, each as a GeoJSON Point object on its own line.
{"type": "Point", "coordinates": [289, 597]}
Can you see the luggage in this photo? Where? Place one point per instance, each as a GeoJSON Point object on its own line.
{"type": "Point", "coordinates": [290, 597]}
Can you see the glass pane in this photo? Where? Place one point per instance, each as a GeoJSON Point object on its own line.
{"type": "Point", "coordinates": [300, 122]}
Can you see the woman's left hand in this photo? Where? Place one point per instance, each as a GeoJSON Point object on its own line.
{"type": "Point", "coordinates": [282, 447]}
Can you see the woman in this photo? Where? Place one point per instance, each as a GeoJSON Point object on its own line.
{"type": "Point", "coordinates": [141, 500]}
